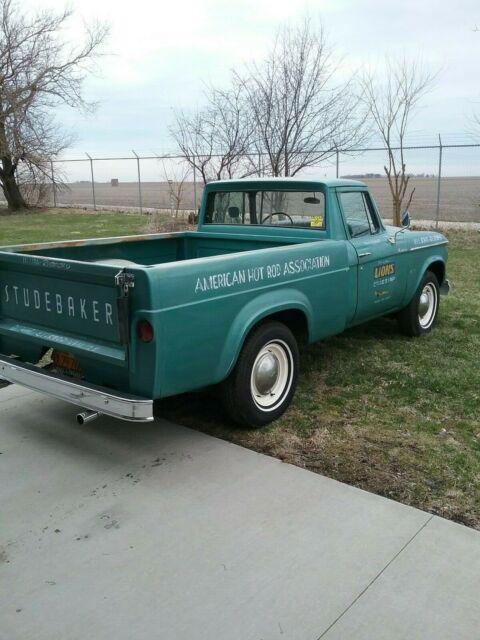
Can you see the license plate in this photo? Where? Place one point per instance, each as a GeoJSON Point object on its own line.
{"type": "Point", "coordinates": [66, 361]}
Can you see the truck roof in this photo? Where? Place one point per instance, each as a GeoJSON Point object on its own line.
{"type": "Point", "coordinates": [333, 182]}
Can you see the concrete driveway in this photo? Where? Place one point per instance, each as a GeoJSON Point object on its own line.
{"type": "Point", "coordinates": [114, 530]}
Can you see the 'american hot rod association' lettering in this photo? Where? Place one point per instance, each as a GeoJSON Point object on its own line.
{"type": "Point", "coordinates": [252, 275]}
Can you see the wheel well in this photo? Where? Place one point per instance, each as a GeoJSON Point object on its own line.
{"type": "Point", "coordinates": [438, 268]}
{"type": "Point", "coordinates": [294, 319]}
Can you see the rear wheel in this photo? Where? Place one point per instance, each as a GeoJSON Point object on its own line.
{"type": "Point", "coordinates": [261, 386]}
{"type": "Point", "coordinates": [420, 314]}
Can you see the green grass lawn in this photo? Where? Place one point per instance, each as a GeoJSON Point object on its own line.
{"type": "Point", "coordinates": [397, 416]}
{"type": "Point", "coordinates": [394, 415]}
{"type": "Point", "coordinates": [66, 224]}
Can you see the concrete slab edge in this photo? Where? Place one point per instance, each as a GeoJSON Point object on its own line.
{"type": "Point", "coordinates": [381, 572]}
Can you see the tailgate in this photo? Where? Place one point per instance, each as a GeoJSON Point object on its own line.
{"type": "Point", "coordinates": [64, 304]}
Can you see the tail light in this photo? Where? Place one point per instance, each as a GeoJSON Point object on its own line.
{"type": "Point", "coordinates": [145, 331]}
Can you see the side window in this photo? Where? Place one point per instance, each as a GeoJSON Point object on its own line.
{"type": "Point", "coordinates": [229, 207]}
{"type": "Point", "coordinates": [358, 215]}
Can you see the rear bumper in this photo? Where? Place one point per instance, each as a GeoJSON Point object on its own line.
{"type": "Point", "coordinates": [87, 396]}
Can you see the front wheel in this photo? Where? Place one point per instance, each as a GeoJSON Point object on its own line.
{"type": "Point", "coordinates": [420, 314]}
{"type": "Point", "coordinates": [261, 386]}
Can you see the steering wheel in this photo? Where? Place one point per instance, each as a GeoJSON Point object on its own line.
{"type": "Point", "coordinates": [277, 213]}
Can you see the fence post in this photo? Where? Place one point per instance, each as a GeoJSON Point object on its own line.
{"type": "Point", "coordinates": [170, 188]}
{"type": "Point", "coordinates": [139, 181]}
{"type": "Point", "coordinates": [337, 154]}
{"type": "Point", "coordinates": [93, 181]}
{"type": "Point", "coordinates": [53, 185]}
{"type": "Point", "coordinates": [194, 187]}
{"type": "Point", "coordinates": [439, 180]}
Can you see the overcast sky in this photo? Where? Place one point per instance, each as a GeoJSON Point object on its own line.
{"type": "Point", "coordinates": [162, 54]}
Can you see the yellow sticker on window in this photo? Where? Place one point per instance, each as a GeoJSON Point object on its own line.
{"type": "Point", "coordinates": [316, 221]}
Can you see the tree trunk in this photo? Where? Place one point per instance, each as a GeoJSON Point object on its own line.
{"type": "Point", "coordinates": [10, 187]}
{"type": "Point", "coordinates": [8, 179]}
{"type": "Point", "coordinates": [396, 212]}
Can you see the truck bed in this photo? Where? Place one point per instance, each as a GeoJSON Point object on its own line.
{"type": "Point", "coordinates": [154, 249]}
{"type": "Point", "coordinates": [70, 297]}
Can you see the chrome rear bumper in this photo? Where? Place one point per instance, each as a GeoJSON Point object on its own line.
{"type": "Point", "coordinates": [82, 394]}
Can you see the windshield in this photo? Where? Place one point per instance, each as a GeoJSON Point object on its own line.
{"type": "Point", "coordinates": [305, 209]}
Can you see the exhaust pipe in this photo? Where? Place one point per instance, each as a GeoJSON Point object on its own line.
{"type": "Point", "coordinates": [87, 416]}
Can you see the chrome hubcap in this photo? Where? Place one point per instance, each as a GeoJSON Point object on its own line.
{"type": "Point", "coordinates": [266, 372]}
{"type": "Point", "coordinates": [271, 376]}
{"type": "Point", "coordinates": [423, 304]}
{"type": "Point", "coordinates": [427, 305]}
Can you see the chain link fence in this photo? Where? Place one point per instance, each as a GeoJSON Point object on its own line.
{"type": "Point", "coordinates": [446, 179]}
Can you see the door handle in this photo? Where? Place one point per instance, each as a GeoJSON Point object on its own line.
{"type": "Point", "coordinates": [364, 254]}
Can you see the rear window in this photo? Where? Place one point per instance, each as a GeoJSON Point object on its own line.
{"type": "Point", "coordinates": [305, 209]}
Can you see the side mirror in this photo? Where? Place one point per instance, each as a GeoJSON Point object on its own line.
{"type": "Point", "coordinates": [234, 212]}
{"type": "Point", "coordinates": [405, 220]}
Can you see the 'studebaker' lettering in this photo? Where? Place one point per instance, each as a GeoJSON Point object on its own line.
{"type": "Point", "coordinates": [58, 303]}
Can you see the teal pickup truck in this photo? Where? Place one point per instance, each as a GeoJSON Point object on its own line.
{"type": "Point", "coordinates": [112, 324]}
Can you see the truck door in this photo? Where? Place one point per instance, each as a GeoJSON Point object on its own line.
{"type": "Point", "coordinates": [381, 265]}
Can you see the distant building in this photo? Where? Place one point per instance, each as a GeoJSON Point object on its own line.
{"type": "Point", "coordinates": [114, 182]}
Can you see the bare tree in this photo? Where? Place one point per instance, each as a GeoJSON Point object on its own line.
{"type": "Point", "coordinates": [175, 176]}
{"type": "Point", "coordinates": [300, 109]}
{"type": "Point", "coordinates": [214, 140]}
{"type": "Point", "coordinates": [44, 140]}
{"type": "Point", "coordinates": [391, 105]}
{"type": "Point", "coordinates": [278, 116]}
{"type": "Point", "coordinates": [38, 71]}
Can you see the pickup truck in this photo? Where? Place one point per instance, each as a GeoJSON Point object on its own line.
{"type": "Point", "coordinates": [112, 324]}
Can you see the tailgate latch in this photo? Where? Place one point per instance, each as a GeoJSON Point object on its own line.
{"type": "Point", "coordinates": [125, 282]}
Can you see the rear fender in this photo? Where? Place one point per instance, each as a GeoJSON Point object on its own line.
{"type": "Point", "coordinates": [254, 312]}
